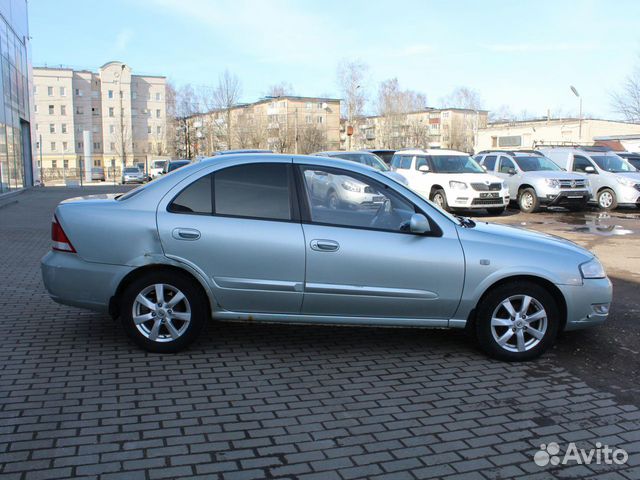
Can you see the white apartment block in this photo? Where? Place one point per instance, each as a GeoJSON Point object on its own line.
{"type": "Point", "coordinates": [123, 116]}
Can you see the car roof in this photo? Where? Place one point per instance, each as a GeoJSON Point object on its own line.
{"type": "Point", "coordinates": [241, 150]}
{"type": "Point", "coordinates": [511, 153]}
{"type": "Point", "coordinates": [330, 153]}
{"type": "Point", "coordinates": [374, 150]}
{"type": "Point", "coordinates": [430, 151]}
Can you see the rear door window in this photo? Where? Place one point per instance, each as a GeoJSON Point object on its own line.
{"type": "Point", "coordinates": [196, 198]}
{"type": "Point", "coordinates": [490, 162]}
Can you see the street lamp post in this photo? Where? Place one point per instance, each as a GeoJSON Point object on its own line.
{"type": "Point", "coordinates": [575, 92]}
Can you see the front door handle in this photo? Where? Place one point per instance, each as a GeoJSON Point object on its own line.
{"type": "Point", "coordinates": [185, 234]}
{"type": "Point", "coordinates": [324, 245]}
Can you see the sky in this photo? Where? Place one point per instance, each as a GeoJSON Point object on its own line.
{"type": "Point", "coordinates": [522, 54]}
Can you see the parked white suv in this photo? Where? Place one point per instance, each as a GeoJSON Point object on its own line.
{"type": "Point", "coordinates": [155, 170]}
{"type": "Point", "coordinates": [614, 181]}
{"type": "Point", "coordinates": [451, 179]}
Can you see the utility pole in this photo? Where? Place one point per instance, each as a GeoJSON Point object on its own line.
{"type": "Point", "coordinates": [296, 130]}
{"type": "Point", "coordinates": [575, 92]}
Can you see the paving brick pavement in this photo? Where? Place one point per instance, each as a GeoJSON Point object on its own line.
{"type": "Point", "coordinates": [78, 399]}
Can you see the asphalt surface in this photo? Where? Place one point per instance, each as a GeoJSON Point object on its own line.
{"type": "Point", "coordinates": [79, 400]}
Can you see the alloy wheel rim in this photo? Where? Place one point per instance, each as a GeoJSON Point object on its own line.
{"type": "Point", "coordinates": [333, 201]}
{"type": "Point", "coordinates": [438, 199]}
{"type": "Point", "coordinates": [606, 199]}
{"type": "Point", "coordinates": [527, 200]}
{"type": "Point", "coordinates": [161, 313]}
{"type": "Point", "coordinates": [519, 323]}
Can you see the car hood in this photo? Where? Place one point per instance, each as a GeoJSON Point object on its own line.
{"type": "Point", "coordinates": [556, 174]}
{"type": "Point", "coordinates": [507, 235]}
{"type": "Point", "coordinates": [397, 177]}
{"type": "Point", "coordinates": [632, 175]}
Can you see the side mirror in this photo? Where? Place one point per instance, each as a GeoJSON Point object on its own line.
{"type": "Point", "coordinates": [423, 168]}
{"type": "Point", "coordinates": [418, 223]}
{"type": "Point", "coordinates": [511, 171]}
{"type": "Point", "coordinates": [589, 169]}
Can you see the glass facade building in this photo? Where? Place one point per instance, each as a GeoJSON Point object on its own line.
{"type": "Point", "coordinates": [16, 165]}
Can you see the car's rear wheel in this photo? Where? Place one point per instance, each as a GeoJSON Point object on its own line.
{"type": "Point", "coordinates": [528, 201]}
{"type": "Point", "coordinates": [333, 201]}
{"type": "Point", "coordinates": [439, 197]}
{"type": "Point", "coordinates": [517, 321]}
{"type": "Point", "coordinates": [607, 199]}
{"type": "Point", "coordinates": [163, 312]}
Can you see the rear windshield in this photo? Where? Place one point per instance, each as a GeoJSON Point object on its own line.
{"type": "Point", "coordinates": [535, 164]}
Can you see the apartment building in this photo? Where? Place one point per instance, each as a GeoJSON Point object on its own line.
{"type": "Point", "coordinates": [289, 124]}
{"type": "Point", "coordinates": [454, 128]}
{"type": "Point", "coordinates": [16, 166]}
{"type": "Point", "coordinates": [110, 118]}
{"type": "Point", "coordinates": [527, 134]}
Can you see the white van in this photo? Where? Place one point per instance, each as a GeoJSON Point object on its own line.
{"type": "Point", "coordinates": [451, 179]}
{"type": "Point", "coordinates": [156, 166]}
{"type": "Point", "coordinates": [614, 181]}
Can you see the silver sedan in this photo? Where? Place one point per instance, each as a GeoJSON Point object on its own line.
{"type": "Point", "coordinates": [243, 238]}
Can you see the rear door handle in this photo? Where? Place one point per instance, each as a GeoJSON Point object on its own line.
{"type": "Point", "coordinates": [185, 234]}
{"type": "Point", "coordinates": [324, 245]}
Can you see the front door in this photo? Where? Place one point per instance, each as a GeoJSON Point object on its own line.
{"type": "Point", "coordinates": [361, 261]}
{"type": "Point", "coordinates": [239, 226]}
{"type": "Point", "coordinates": [505, 165]}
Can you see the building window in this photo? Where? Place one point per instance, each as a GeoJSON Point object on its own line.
{"type": "Point", "coordinates": [309, 119]}
{"type": "Point", "coordinates": [54, 164]}
{"type": "Point", "coordinates": [95, 111]}
{"type": "Point", "coordinates": [111, 114]}
{"type": "Point", "coordinates": [35, 89]}
{"type": "Point", "coordinates": [52, 128]}
{"type": "Point", "coordinates": [35, 108]}
{"type": "Point", "coordinates": [158, 113]}
{"type": "Point", "coordinates": [50, 91]}
{"type": "Point", "coordinates": [63, 109]}
{"type": "Point", "coordinates": [97, 163]}
{"type": "Point", "coordinates": [65, 146]}
{"type": "Point", "coordinates": [63, 92]}
{"type": "Point", "coordinates": [53, 146]}
{"type": "Point", "coordinates": [79, 145]}
{"type": "Point", "coordinates": [309, 105]}
{"type": "Point", "coordinates": [112, 128]}
{"type": "Point", "coordinates": [79, 110]}
{"type": "Point", "coordinates": [50, 109]}
{"type": "Point", "coordinates": [158, 97]}
{"type": "Point", "coordinates": [510, 141]}
{"type": "Point", "coordinates": [113, 162]}
{"type": "Point", "coordinates": [78, 92]}
{"type": "Point", "coordinates": [63, 128]}
{"type": "Point", "coordinates": [112, 146]}
{"type": "Point", "coordinates": [149, 147]}
{"type": "Point", "coordinates": [134, 95]}
{"type": "Point", "coordinates": [159, 146]}
{"type": "Point", "coordinates": [319, 105]}
{"type": "Point", "coordinates": [134, 112]}
{"type": "Point", "coordinates": [110, 94]}
{"type": "Point", "coordinates": [96, 145]}
{"type": "Point", "coordinates": [158, 130]}
{"type": "Point", "coordinates": [148, 128]}
{"type": "Point", "coordinates": [320, 119]}
{"type": "Point", "coordinates": [65, 162]}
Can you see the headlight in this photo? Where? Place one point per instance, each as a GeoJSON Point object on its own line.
{"type": "Point", "coordinates": [627, 182]}
{"type": "Point", "coordinates": [351, 186]}
{"type": "Point", "coordinates": [552, 182]}
{"type": "Point", "coordinates": [458, 185]}
{"type": "Point", "coordinates": [592, 269]}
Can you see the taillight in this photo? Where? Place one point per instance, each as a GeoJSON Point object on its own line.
{"type": "Point", "coordinates": [59, 239]}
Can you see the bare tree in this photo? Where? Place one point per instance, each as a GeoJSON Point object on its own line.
{"type": "Point", "coordinates": [502, 114]}
{"type": "Point", "coordinates": [311, 139]}
{"type": "Point", "coordinates": [281, 89]}
{"type": "Point", "coordinates": [186, 106]}
{"type": "Point", "coordinates": [225, 96]}
{"type": "Point", "coordinates": [626, 102]}
{"type": "Point", "coordinates": [351, 78]}
{"type": "Point", "coordinates": [462, 97]}
{"type": "Point", "coordinates": [394, 104]}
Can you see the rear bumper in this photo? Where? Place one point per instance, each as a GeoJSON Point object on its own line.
{"type": "Point", "coordinates": [73, 281]}
{"type": "Point", "coordinates": [582, 301]}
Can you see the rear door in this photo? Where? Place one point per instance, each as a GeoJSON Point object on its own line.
{"type": "Point", "coordinates": [240, 227]}
{"type": "Point", "coordinates": [361, 263]}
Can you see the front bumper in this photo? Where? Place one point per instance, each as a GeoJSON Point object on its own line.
{"type": "Point", "coordinates": [567, 197]}
{"type": "Point", "coordinates": [76, 282]}
{"type": "Point", "coordinates": [627, 195]}
{"type": "Point", "coordinates": [583, 302]}
{"type": "Point", "coordinates": [471, 199]}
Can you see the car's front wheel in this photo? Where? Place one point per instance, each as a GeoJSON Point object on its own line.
{"type": "Point", "coordinates": [439, 197]}
{"type": "Point", "coordinates": [528, 201]}
{"type": "Point", "coordinates": [607, 199]}
{"type": "Point", "coordinates": [163, 311]}
{"type": "Point", "coordinates": [517, 321]}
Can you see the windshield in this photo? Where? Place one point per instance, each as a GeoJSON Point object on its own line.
{"type": "Point", "coordinates": [131, 170]}
{"type": "Point", "coordinates": [535, 164]}
{"type": "Point", "coordinates": [613, 164]}
{"type": "Point", "coordinates": [455, 164]}
{"type": "Point", "coordinates": [159, 164]}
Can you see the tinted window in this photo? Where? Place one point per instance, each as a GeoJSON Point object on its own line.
{"type": "Point", "coordinates": [490, 162]}
{"type": "Point", "coordinates": [395, 161]}
{"type": "Point", "coordinates": [196, 198]}
{"type": "Point", "coordinates": [506, 164]}
{"type": "Point", "coordinates": [344, 199]}
{"type": "Point", "coordinates": [421, 161]}
{"type": "Point", "coordinates": [254, 190]}
{"type": "Point", "coordinates": [580, 163]}
{"type": "Point", "coordinates": [405, 162]}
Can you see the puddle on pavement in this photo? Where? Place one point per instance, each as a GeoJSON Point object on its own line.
{"type": "Point", "coordinates": [603, 224]}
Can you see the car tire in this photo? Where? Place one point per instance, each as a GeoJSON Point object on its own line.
{"type": "Point", "coordinates": [528, 201]}
{"type": "Point", "coordinates": [606, 199]}
{"type": "Point", "coordinates": [496, 211]}
{"type": "Point", "coordinates": [333, 201]}
{"type": "Point", "coordinates": [510, 336]}
{"type": "Point", "coordinates": [171, 327]}
{"type": "Point", "coordinates": [439, 197]}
